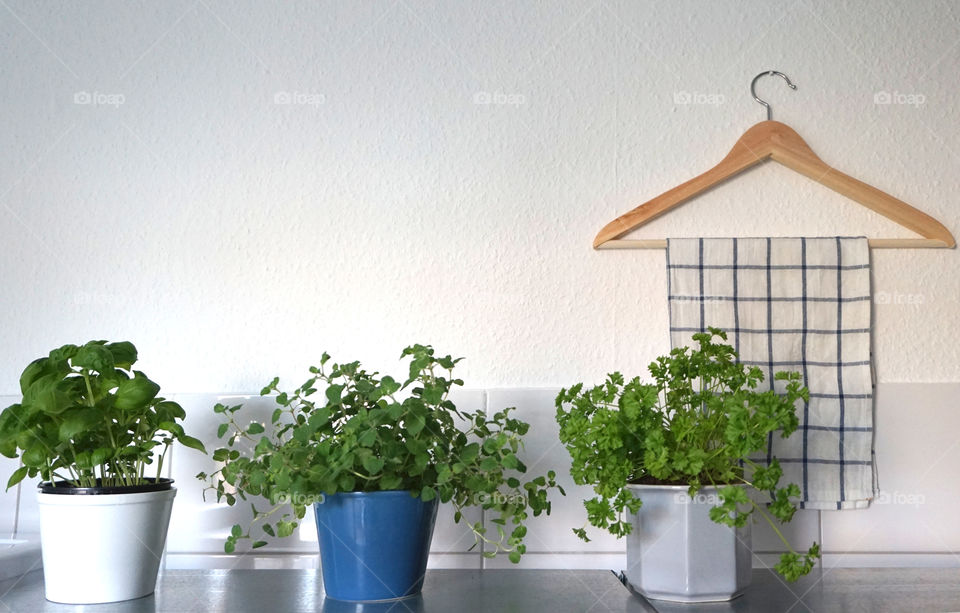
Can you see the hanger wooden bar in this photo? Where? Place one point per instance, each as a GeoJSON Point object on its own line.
{"type": "Point", "coordinates": [779, 142]}
{"type": "Point", "coordinates": [874, 243]}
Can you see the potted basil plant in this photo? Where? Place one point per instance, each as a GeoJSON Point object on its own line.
{"type": "Point", "coordinates": [672, 462]}
{"type": "Point", "coordinates": [91, 427]}
{"type": "Point", "coordinates": [374, 456]}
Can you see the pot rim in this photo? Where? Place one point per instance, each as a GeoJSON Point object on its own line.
{"type": "Point", "coordinates": [378, 492]}
{"type": "Point", "coordinates": [651, 486]}
{"type": "Point", "coordinates": [154, 485]}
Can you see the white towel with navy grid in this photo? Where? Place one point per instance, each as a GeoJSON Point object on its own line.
{"type": "Point", "coordinates": [800, 304]}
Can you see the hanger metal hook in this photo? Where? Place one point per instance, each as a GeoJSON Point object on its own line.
{"type": "Point", "coordinates": [753, 88]}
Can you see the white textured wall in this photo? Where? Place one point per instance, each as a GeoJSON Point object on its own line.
{"type": "Point", "coordinates": [233, 238]}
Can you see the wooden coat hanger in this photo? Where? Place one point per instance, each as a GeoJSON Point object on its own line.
{"type": "Point", "coordinates": [779, 142]}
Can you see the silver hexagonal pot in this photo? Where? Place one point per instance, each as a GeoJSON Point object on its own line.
{"type": "Point", "coordinates": [675, 552]}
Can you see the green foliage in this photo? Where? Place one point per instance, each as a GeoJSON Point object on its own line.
{"type": "Point", "coordinates": [359, 435]}
{"type": "Point", "coordinates": [698, 423]}
{"type": "Point", "coordinates": [89, 419]}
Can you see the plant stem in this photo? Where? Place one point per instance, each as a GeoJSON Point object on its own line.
{"type": "Point", "coordinates": [770, 521]}
{"type": "Point", "coordinates": [86, 379]}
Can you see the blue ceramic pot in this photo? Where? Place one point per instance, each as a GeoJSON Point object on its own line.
{"type": "Point", "coordinates": [374, 545]}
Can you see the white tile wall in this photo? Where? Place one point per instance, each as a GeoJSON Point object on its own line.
{"type": "Point", "coordinates": [913, 523]}
{"type": "Point", "coordinates": [8, 498]}
{"type": "Point", "coordinates": [199, 526]}
{"type": "Point", "coordinates": [918, 456]}
{"type": "Point", "coordinates": [29, 515]}
{"type": "Point", "coordinates": [451, 540]}
{"type": "Point", "coordinates": [542, 452]}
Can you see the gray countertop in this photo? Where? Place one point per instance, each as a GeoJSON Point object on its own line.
{"type": "Point", "coordinates": [523, 591]}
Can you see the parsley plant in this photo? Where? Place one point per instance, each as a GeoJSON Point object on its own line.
{"type": "Point", "coordinates": [702, 421]}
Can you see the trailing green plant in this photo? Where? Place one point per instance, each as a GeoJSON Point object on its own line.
{"type": "Point", "coordinates": [88, 419]}
{"type": "Point", "coordinates": [365, 433]}
{"type": "Point", "coordinates": [700, 422]}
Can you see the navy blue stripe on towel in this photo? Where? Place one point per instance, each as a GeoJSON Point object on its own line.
{"type": "Point", "coordinates": [736, 303]}
{"type": "Point", "coordinates": [703, 316]}
{"type": "Point", "coordinates": [770, 336]}
{"type": "Point", "coordinates": [803, 360]}
{"type": "Point", "coordinates": [840, 395]}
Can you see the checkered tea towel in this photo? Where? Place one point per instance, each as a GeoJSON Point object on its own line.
{"type": "Point", "coordinates": [800, 304]}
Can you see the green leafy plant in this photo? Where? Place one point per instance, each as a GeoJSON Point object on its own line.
{"type": "Point", "coordinates": [698, 423]}
{"type": "Point", "coordinates": [87, 419]}
{"type": "Point", "coordinates": [360, 435]}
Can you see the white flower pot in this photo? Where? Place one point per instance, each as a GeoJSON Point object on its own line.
{"type": "Point", "coordinates": [102, 547]}
{"type": "Point", "coordinates": [676, 552]}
